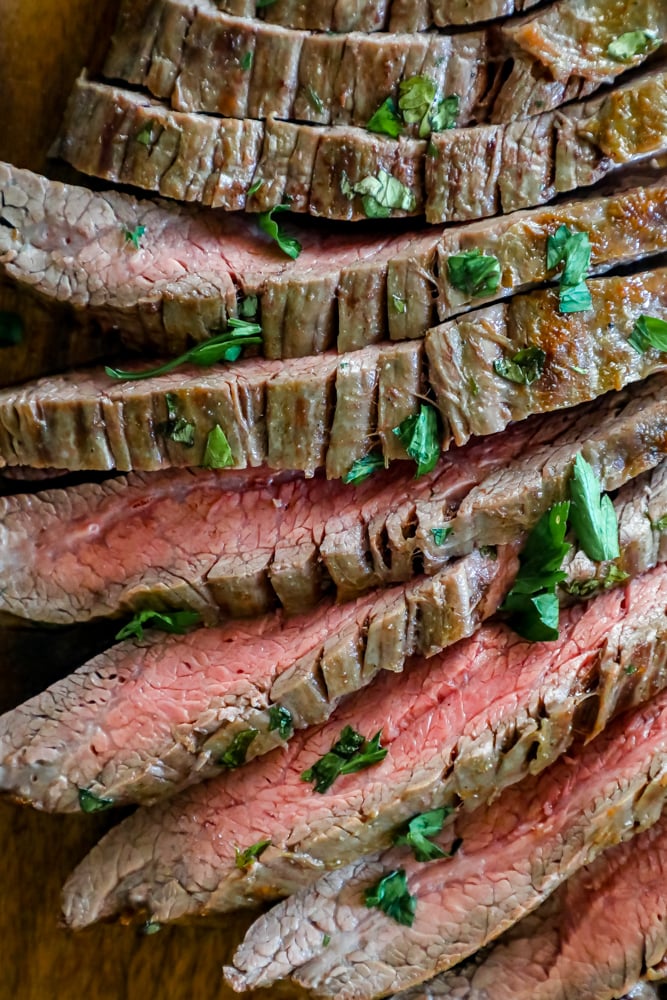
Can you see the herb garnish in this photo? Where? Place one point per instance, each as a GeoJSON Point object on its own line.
{"type": "Point", "coordinates": [440, 534]}
{"type": "Point", "coordinates": [326, 940]}
{"type": "Point", "coordinates": [280, 719]}
{"type": "Point", "coordinates": [420, 436]}
{"type": "Point", "coordinates": [314, 99]}
{"type": "Point", "coordinates": [91, 803]}
{"type": "Point", "coordinates": [630, 669]}
{"type": "Point", "coordinates": [134, 235]}
{"type": "Point", "coordinates": [149, 928]}
{"type": "Point", "coordinates": [288, 244]}
{"type": "Point", "coordinates": [418, 103]}
{"type": "Point", "coordinates": [237, 751]}
{"type": "Point", "coordinates": [145, 136]}
{"type": "Point", "coordinates": [380, 195]}
{"type": "Point", "coordinates": [417, 832]}
{"type": "Point", "coordinates": [363, 468]}
{"type": "Point", "coordinates": [218, 454]}
{"type": "Point", "coordinates": [11, 329]}
{"type": "Point", "coordinates": [398, 303]}
{"type": "Point", "coordinates": [524, 367]}
{"type": "Point", "coordinates": [391, 895]}
{"type": "Point", "coordinates": [246, 60]}
{"type": "Point", "coordinates": [631, 44]}
{"type": "Point", "coordinates": [223, 347]}
{"type": "Point", "coordinates": [573, 250]}
{"type": "Point", "coordinates": [246, 858]}
{"type": "Point", "coordinates": [611, 577]}
{"type": "Point", "coordinates": [474, 273]}
{"type": "Point", "coordinates": [592, 514]}
{"type": "Point", "coordinates": [660, 524]}
{"type": "Point", "coordinates": [175, 622]}
{"type": "Point", "coordinates": [386, 120]}
{"type": "Point", "coordinates": [177, 428]}
{"type": "Point", "coordinates": [649, 331]}
{"type": "Point", "coordinates": [351, 753]}
{"type": "Point", "coordinates": [255, 186]}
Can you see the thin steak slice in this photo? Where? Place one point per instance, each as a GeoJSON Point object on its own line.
{"type": "Point", "coordinates": [67, 246]}
{"type": "Point", "coordinates": [147, 718]}
{"type": "Point", "coordinates": [457, 728]}
{"type": "Point", "coordinates": [514, 853]}
{"type": "Point", "coordinates": [458, 175]}
{"type": "Point", "coordinates": [253, 540]}
{"type": "Point", "coordinates": [200, 59]}
{"type": "Point", "coordinates": [332, 411]}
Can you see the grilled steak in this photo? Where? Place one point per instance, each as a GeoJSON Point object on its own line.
{"type": "Point", "coordinates": [193, 265]}
{"type": "Point", "coordinates": [91, 550]}
{"type": "Point", "coordinates": [182, 701]}
{"type": "Point", "coordinates": [514, 854]}
{"type": "Point", "coordinates": [331, 410]}
{"type": "Point", "coordinates": [458, 175]}
{"type": "Point", "coordinates": [457, 728]}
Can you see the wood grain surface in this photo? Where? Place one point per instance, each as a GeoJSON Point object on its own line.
{"type": "Point", "coordinates": [43, 45]}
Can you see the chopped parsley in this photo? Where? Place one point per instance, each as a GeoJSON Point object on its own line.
{"type": "Point", "coordinates": [288, 244]}
{"type": "Point", "coordinates": [218, 453]}
{"type": "Point", "coordinates": [351, 753]}
{"type": "Point", "coordinates": [611, 577]}
{"type": "Point", "coordinates": [145, 136]}
{"type": "Point", "coordinates": [175, 622]}
{"type": "Point", "coordinates": [255, 186]}
{"type": "Point", "coordinates": [630, 669]}
{"type": "Point", "coordinates": [474, 273]}
{"type": "Point", "coordinates": [418, 103]}
{"type": "Point", "coordinates": [246, 60]}
{"type": "Point", "coordinates": [631, 44]}
{"type": "Point", "coordinates": [237, 751]}
{"type": "Point", "coordinates": [11, 329]}
{"type": "Point", "coordinates": [649, 331]}
{"type": "Point", "coordinates": [386, 120]}
{"type": "Point", "coordinates": [660, 524]}
{"type": "Point", "coordinates": [133, 236]}
{"type": "Point", "coordinates": [150, 928]}
{"type": "Point", "coordinates": [363, 468]}
{"type": "Point", "coordinates": [391, 895]}
{"type": "Point", "coordinates": [326, 940]}
{"type": "Point", "coordinates": [592, 514]}
{"type": "Point", "coordinates": [245, 859]}
{"type": "Point", "coordinates": [398, 303]}
{"type": "Point", "coordinates": [280, 719]}
{"type": "Point", "coordinates": [380, 195]}
{"type": "Point", "coordinates": [573, 250]}
{"type": "Point", "coordinates": [90, 803]}
{"type": "Point", "coordinates": [314, 99]}
{"type": "Point", "coordinates": [420, 436]}
{"type": "Point", "coordinates": [524, 367]}
{"type": "Point", "coordinates": [440, 535]}
{"type": "Point", "coordinates": [417, 832]}
{"type": "Point", "coordinates": [177, 428]}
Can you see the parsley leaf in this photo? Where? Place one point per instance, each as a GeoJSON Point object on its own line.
{"type": "Point", "coordinates": [351, 753]}
{"type": "Point", "coordinates": [649, 331]}
{"type": "Point", "coordinates": [660, 524]}
{"type": "Point", "coordinates": [280, 718]}
{"type": "Point", "coordinates": [175, 622]}
{"type": "Point", "coordinates": [11, 329]}
{"type": "Point", "coordinates": [592, 514]}
{"type": "Point", "coordinates": [255, 186]}
{"type": "Point", "coordinates": [573, 250]}
{"type": "Point", "coordinates": [474, 273]}
{"type": "Point", "coordinates": [445, 112]}
{"type": "Point", "coordinates": [177, 428]}
{"type": "Point", "coordinates": [575, 298]}
{"type": "Point", "coordinates": [90, 803]}
{"type": "Point", "coordinates": [416, 97]}
{"type": "Point", "coordinates": [379, 195]}
{"type": "Point", "coordinates": [399, 303]}
{"type": "Point", "coordinates": [218, 454]}
{"type": "Point", "coordinates": [149, 928]}
{"type": "Point", "coordinates": [391, 895]}
{"type": "Point", "coordinates": [420, 436]}
{"type": "Point", "coordinates": [524, 368]}
{"type": "Point", "coordinates": [631, 44]}
{"type": "Point", "coordinates": [288, 244]}
{"type": "Point", "coordinates": [314, 99]}
{"type": "Point", "coordinates": [237, 751]}
{"type": "Point", "coordinates": [611, 577]}
{"type": "Point", "coordinates": [440, 534]}
{"type": "Point", "coordinates": [246, 858]}
{"type": "Point", "coordinates": [133, 236]}
{"type": "Point", "coordinates": [417, 832]}
{"type": "Point", "coordinates": [145, 136]}
{"type": "Point", "coordinates": [246, 60]}
{"type": "Point", "coordinates": [326, 940]}
{"type": "Point", "coordinates": [386, 120]}
{"type": "Point", "coordinates": [363, 468]}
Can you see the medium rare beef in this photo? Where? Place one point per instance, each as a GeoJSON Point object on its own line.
{"type": "Point", "coordinates": [458, 175]}
{"type": "Point", "coordinates": [145, 719]}
{"type": "Point", "coordinates": [513, 854]}
{"type": "Point", "coordinates": [332, 411]}
{"type": "Point", "coordinates": [456, 728]}
{"type": "Point", "coordinates": [67, 244]}
{"type": "Point", "coordinates": [200, 59]}
{"type": "Point", "coordinates": [252, 540]}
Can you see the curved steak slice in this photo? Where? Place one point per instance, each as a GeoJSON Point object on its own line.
{"type": "Point", "coordinates": [457, 728]}
{"type": "Point", "coordinates": [513, 855]}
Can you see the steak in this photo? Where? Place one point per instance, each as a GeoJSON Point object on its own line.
{"type": "Point", "coordinates": [457, 728]}
{"type": "Point", "coordinates": [200, 59]}
{"type": "Point", "coordinates": [514, 853]}
{"type": "Point", "coordinates": [254, 539]}
{"type": "Point", "coordinates": [343, 291]}
{"type": "Point", "coordinates": [458, 175]}
{"type": "Point", "coordinates": [331, 411]}
{"type": "Point", "coordinates": [145, 719]}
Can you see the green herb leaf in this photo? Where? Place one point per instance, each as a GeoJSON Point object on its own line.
{"type": "Point", "coordinates": [611, 577]}
{"type": "Point", "coordinates": [177, 428]}
{"type": "Point", "coordinates": [630, 669]}
{"type": "Point", "coordinates": [175, 622]}
{"type": "Point", "coordinates": [280, 718]}
{"type": "Point", "coordinates": [417, 832]}
{"type": "Point", "coordinates": [575, 298]}
{"type": "Point", "coordinates": [351, 753]}
{"type": "Point", "coordinates": [363, 468]}
{"type": "Point", "coordinates": [246, 858]}
{"type": "Point", "coordinates": [631, 44]}
{"type": "Point", "coordinates": [420, 436]}
{"type": "Point", "coordinates": [391, 895]}
{"type": "Point", "coordinates": [398, 303]}
{"type": "Point", "coordinates": [150, 928]}
{"type": "Point", "coordinates": [134, 235]}
{"type": "Point", "coordinates": [218, 454]}
{"type": "Point", "coordinates": [524, 368]}
{"type": "Point", "coordinates": [444, 113]}
{"type": "Point", "coordinates": [288, 244]}
{"type": "Point", "coordinates": [314, 99]}
{"type": "Point", "coordinates": [440, 535]}
{"type": "Point", "coordinates": [416, 97]}
{"type": "Point", "coordinates": [573, 250]}
{"type": "Point", "coordinates": [237, 751]}
{"type": "Point", "coordinates": [534, 616]}
{"type": "Point", "coordinates": [90, 803]}
{"type": "Point", "coordinates": [11, 329]}
{"type": "Point", "coordinates": [145, 136]}
{"type": "Point", "coordinates": [660, 524]}
{"type": "Point", "coordinates": [386, 120]}
{"type": "Point", "coordinates": [380, 195]}
{"type": "Point", "coordinates": [255, 186]}
{"type": "Point", "coordinates": [246, 60]}
{"type": "Point", "coordinates": [326, 940]}
{"type": "Point", "coordinates": [474, 273]}
{"type": "Point", "coordinates": [592, 515]}
{"type": "Point", "coordinates": [649, 331]}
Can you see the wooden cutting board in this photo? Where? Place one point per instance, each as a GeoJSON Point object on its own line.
{"type": "Point", "coordinates": [43, 46]}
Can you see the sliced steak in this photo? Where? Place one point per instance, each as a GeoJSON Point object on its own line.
{"type": "Point", "coordinates": [200, 59]}
{"type": "Point", "coordinates": [147, 718]}
{"type": "Point", "coordinates": [251, 540]}
{"type": "Point", "coordinates": [458, 175]}
{"type": "Point", "coordinates": [457, 728]}
{"type": "Point", "coordinates": [67, 246]}
{"type": "Point", "coordinates": [514, 853]}
{"type": "Point", "coordinates": [331, 410]}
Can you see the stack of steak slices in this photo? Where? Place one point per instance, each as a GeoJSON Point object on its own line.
{"type": "Point", "coordinates": [338, 451]}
